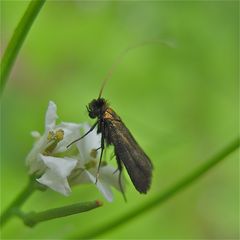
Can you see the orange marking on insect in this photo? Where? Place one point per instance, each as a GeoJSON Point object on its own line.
{"type": "Point", "coordinates": [108, 114]}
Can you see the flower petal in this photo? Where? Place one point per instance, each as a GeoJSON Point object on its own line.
{"type": "Point", "coordinates": [71, 133]}
{"type": "Point", "coordinates": [109, 175]}
{"type": "Point", "coordinates": [103, 188]}
{"type": "Point", "coordinates": [60, 166]}
{"type": "Point", "coordinates": [51, 116]}
{"type": "Point", "coordinates": [35, 134]}
{"type": "Point", "coordinates": [56, 175]}
{"type": "Point", "coordinates": [88, 143]}
{"type": "Point", "coordinates": [33, 161]}
{"type": "Point", "coordinates": [55, 182]}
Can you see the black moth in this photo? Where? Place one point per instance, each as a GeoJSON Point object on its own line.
{"type": "Point", "coordinates": [126, 149]}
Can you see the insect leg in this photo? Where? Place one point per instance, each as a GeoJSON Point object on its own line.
{"type": "Point", "coordinates": [112, 156]}
{"type": "Point", "coordinates": [102, 148]}
{"type": "Point", "coordinates": [120, 168]}
{"type": "Point", "coordinates": [91, 129]}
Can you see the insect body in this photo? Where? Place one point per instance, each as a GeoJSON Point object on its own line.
{"type": "Point", "coordinates": [127, 150]}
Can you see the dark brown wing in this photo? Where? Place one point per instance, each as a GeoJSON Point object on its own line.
{"type": "Point", "coordinates": [127, 150]}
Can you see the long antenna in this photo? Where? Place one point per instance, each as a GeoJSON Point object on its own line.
{"type": "Point", "coordinates": [124, 52]}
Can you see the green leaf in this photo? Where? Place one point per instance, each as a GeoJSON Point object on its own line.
{"type": "Point", "coordinates": [17, 40]}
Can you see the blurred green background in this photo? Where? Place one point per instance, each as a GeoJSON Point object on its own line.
{"type": "Point", "coordinates": [180, 103]}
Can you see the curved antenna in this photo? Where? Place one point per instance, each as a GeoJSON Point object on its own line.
{"type": "Point", "coordinates": [124, 52]}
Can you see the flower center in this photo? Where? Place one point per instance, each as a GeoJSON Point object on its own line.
{"type": "Point", "coordinates": [53, 139]}
{"type": "Point", "coordinates": [90, 164]}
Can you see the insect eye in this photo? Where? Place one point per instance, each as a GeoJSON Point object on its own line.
{"type": "Point", "coordinates": [92, 114]}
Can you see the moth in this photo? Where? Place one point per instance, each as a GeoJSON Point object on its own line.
{"type": "Point", "coordinates": [126, 149]}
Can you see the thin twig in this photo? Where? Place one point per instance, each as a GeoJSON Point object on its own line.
{"type": "Point", "coordinates": [33, 218]}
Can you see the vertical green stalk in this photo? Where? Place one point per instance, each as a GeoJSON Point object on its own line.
{"type": "Point", "coordinates": [17, 39]}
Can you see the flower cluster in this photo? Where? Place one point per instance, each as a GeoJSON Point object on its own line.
{"type": "Point", "coordinates": [59, 168]}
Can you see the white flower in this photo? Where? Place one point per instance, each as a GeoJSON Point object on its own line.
{"type": "Point", "coordinates": [59, 172]}
{"type": "Point", "coordinates": [55, 176]}
{"type": "Point", "coordinates": [66, 132]}
{"type": "Point", "coordinates": [65, 172]}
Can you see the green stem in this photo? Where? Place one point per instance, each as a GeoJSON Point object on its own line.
{"type": "Point", "coordinates": [17, 39]}
{"type": "Point", "coordinates": [32, 218]}
{"type": "Point", "coordinates": [163, 196]}
{"type": "Point", "coordinates": [18, 202]}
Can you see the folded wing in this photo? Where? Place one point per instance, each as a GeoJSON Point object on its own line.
{"type": "Point", "coordinates": [127, 150]}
